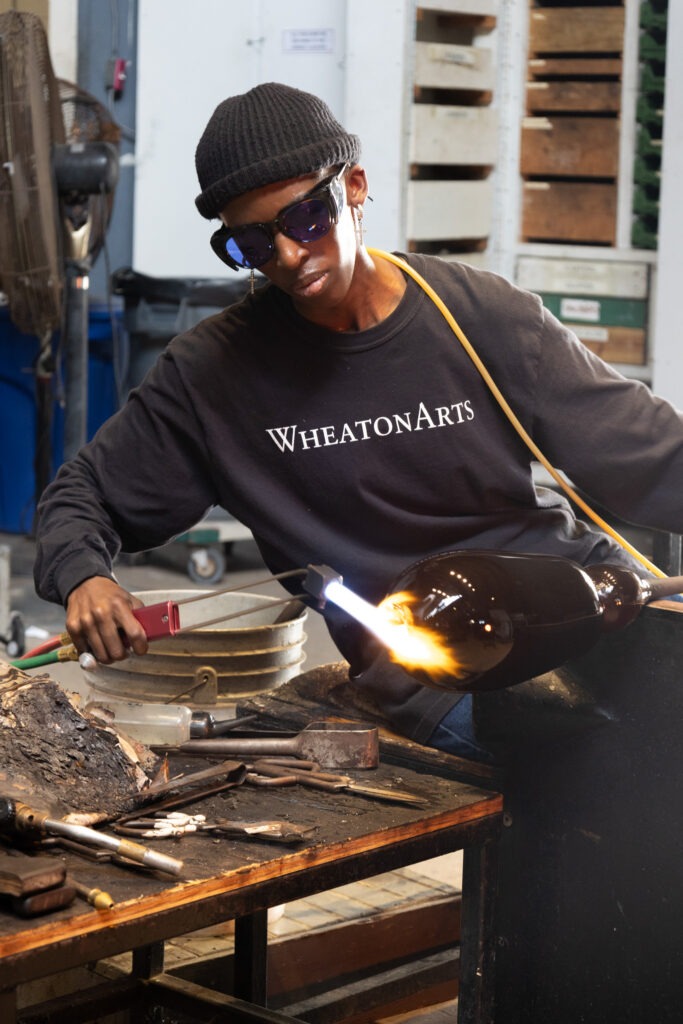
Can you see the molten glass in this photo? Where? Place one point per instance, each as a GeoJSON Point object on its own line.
{"type": "Point", "coordinates": [501, 617]}
{"type": "Point", "coordinates": [484, 620]}
{"type": "Point", "coordinates": [416, 646]}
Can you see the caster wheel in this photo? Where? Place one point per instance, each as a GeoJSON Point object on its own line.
{"type": "Point", "coordinates": [206, 565]}
{"type": "Point", "coordinates": [16, 642]}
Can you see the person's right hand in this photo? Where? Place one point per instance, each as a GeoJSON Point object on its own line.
{"type": "Point", "coordinates": [99, 619]}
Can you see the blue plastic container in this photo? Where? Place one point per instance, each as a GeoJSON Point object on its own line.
{"type": "Point", "coordinates": [18, 353]}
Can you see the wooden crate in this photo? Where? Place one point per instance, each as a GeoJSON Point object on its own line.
{"type": "Point", "coordinates": [577, 30]}
{"type": "Point", "coordinates": [449, 210]}
{"type": "Point", "coordinates": [609, 278]}
{"type": "Point", "coordinates": [598, 310]}
{"type": "Point", "coordinates": [442, 134]}
{"type": "Point", "coordinates": [571, 96]}
{"type": "Point", "coordinates": [574, 67]}
{"type": "Point", "coordinates": [447, 66]}
{"type": "Point", "coordinates": [568, 211]}
{"type": "Point", "coordinates": [614, 344]}
{"type": "Point", "coordinates": [478, 8]}
{"type": "Point", "coordinates": [579, 147]}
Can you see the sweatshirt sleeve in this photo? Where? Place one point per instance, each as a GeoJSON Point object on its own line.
{"type": "Point", "coordinates": [144, 478]}
{"type": "Point", "coordinates": [612, 436]}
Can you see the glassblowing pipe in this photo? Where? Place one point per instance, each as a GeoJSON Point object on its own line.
{"type": "Point", "coordinates": [495, 618]}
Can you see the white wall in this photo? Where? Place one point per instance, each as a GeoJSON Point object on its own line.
{"type": "Point", "coordinates": [63, 38]}
{"type": "Point", "coordinates": [378, 70]}
{"type": "Point", "coordinates": [667, 379]}
{"type": "Point", "coordinates": [188, 63]}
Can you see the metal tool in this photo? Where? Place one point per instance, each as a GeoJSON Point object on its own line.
{"type": "Point", "coordinates": [163, 618]}
{"type": "Point", "coordinates": [232, 771]}
{"type": "Point", "coordinates": [43, 902]}
{"type": "Point", "coordinates": [330, 744]}
{"type": "Point", "coordinates": [21, 818]}
{"type": "Point", "coordinates": [266, 772]}
{"type": "Point", "coordinates": [177, 824]}
{"type": "Point", "coordinates": [97, 898]}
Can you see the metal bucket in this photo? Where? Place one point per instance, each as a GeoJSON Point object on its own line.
{"type": "Point", "coordinates": [214, 665]}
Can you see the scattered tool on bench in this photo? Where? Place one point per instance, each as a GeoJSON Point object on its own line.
{"type": "Point", "coordinates": [178, 824]}
{"type": "Point", "coordinates": [34, 885]}
{"type": "Point", "coordinates": [265, 773]}
{"type": "Point", "coordinates": [97, 898]}
{"type": "Point", "coordinates": [19, 818]}
{"type": "Point", "coordinates": [329, 744]}
{"type": "Point", "coordinates": [220, 776]}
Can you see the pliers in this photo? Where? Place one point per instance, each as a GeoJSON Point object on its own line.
{"type": "Point", "coordinates": [165, 826]}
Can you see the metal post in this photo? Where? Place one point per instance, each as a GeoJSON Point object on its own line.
{"type": "Point", "coordinates": [76, 359]}
{"type": "Point", "coordinates": [251, 957]}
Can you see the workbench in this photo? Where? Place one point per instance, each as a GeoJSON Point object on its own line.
{"type": "Point", "coordinates": [353, 837]}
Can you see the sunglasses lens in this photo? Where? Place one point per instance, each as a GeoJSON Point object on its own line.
{"type": "Point", "coordinates": [308, 221]}
{"type": "Point", "coordinates": [249, 246]}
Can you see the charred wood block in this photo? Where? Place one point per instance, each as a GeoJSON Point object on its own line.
{"type": "Point", "coordinates": [56, 759]}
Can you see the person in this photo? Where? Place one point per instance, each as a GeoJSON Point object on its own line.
{"type": "Point", "coordinates": [334, 413]}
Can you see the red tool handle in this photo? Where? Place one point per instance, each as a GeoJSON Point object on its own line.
{"type": "Point", "coordinates": [159, 620]}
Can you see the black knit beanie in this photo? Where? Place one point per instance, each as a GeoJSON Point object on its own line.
{"type": "Point", "coordinates": [268, 134]}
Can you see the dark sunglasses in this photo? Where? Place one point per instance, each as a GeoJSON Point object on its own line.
{"type": "Point", "coordinates": [306, 220]}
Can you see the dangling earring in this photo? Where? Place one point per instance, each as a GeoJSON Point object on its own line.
{"type": "Point", "coordinates": [358, 224]}
{"type": "Point", "coordinates": [251, 281]}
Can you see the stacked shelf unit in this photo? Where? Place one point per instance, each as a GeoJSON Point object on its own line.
{"type": "Point", "coordinates": [453, 134]}
{"type": "Point", "coordinates": [649, 123]}
{"type": "Point", "coordinates": [570, 136]}
{"type": "Point", "coordinates": [572, 139]}
{"type": "Point", "coordinates": [604, 302]}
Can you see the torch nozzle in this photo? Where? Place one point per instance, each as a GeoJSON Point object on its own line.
{"type": "Point", "coordinates": [318, 579]}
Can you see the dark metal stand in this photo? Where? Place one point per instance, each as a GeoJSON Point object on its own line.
{"type": "Point", "coordinates": [591, 878]}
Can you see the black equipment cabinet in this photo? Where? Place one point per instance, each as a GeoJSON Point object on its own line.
{"type": "Point", "coordinates": [590, 900]}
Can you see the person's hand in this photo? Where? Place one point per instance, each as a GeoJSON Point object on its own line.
{"type": "Point", "coordinates": [99, 619]}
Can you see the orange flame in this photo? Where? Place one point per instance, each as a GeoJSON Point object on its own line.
{"type": "Point", "coordinates": [412, 645]}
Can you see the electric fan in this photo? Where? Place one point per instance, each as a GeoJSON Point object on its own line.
{"type": "Point", "coordinates": [58, 172]}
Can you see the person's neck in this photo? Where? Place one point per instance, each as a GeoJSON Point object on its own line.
{"type": "Point", "coordinates": [376, 290]}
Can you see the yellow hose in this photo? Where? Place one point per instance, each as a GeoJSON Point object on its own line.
{"type": "Point", "coordinates": [536, 452]}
